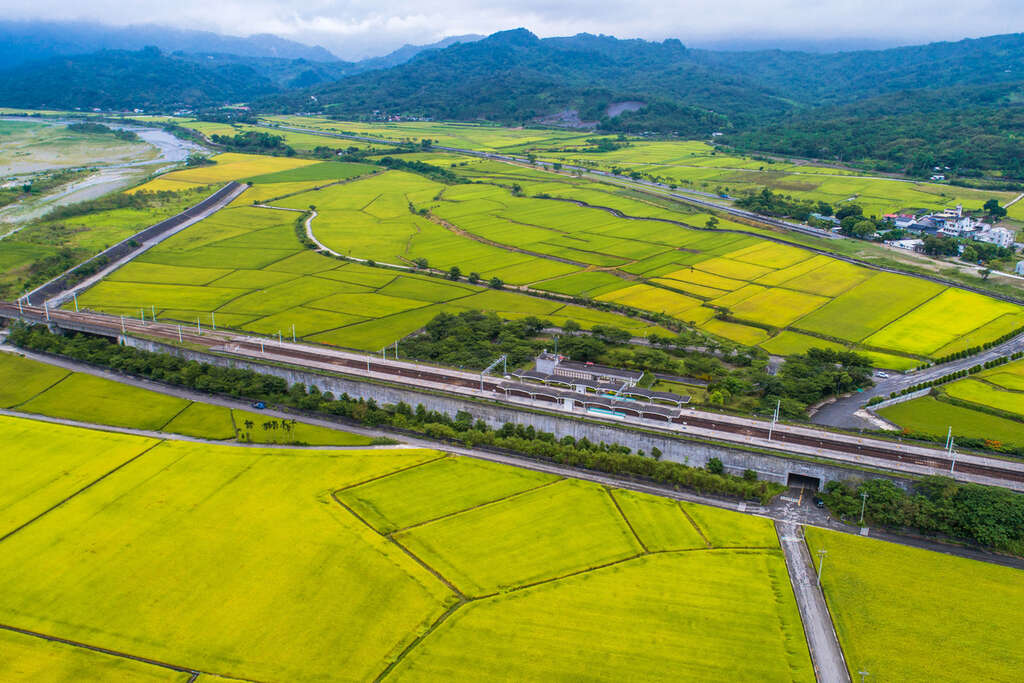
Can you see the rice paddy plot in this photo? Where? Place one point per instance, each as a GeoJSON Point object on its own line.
{"type": "Point", "coordinates": [926, 415]}
{"type": "Point", "coordinates": [700, 277]}
{"type": "Point", "coordinates": [728, 529]}
{"type": "Point", "coordinates": [305, 262]}
{"type": "Point", "coordinates": [524, 271]}
{"type": "Point", "coordinates": [777, 277]}
{"type": "Point", "coordinates": [737, 270]}
{"type": "Point", "coordinates": [1009, 376]}
{"type": "Point", "coordinates": [589, 283]}
{"type": "Point", "coordinates": [36, 659]}
{"type": "Point", "coordinates": [203, 421]}
{"type": "Point", "coordinates": [424, 289]}
{"type": "Point", "coordinates": [987, 395]}
{"type": "Point", "coordinates": [788, 343]}
{"type": "Point", "coordinates": [699, 291]}
{"type": "Point", "coordinates": [217, 257]}
{"type": "Point", "coordinates": [125, 294]}
{"type": "Point", "coordinates": [636, 620]}
{"type": "Point", "coordinates": [232, 166]}
{"type": "Point", "coordinates": [22, 378]}
{"type": "Point", "coordinates": [306, 322]}
{"type": "Point", "coordinates": [360, 275]}
{"type": "Point", "coordinates": [650, 298]}
{"type": "Point", "coordinates": [771, 255]}
{"type": "Point", "coordinates": [326, 171]}
{"type": "Point", "coordinates": [659, 523]}
{"type": "Point", "coordinates": [253, 279]}
{"type": "Point", "coordinates": [995, 329]}
{"type": "Point", "coordinates": [525, 539]}
{"type": "Point", "coordinates": [868, 307]}
{"type": "Point", "coordinates": [777, 307]}
{"type": "Point", "coordinates": [903, 613]}
{"type": "Point", "coordinates": [260, 576]}
{"type": "Point", "coordinates": [374, 335]}
{"type": "Point", "coordinates": [102, 401]}
{"type": "Point", "coordinates": [155, 273]}
{"type": "Point", "coordinates": [436, 489]}
{"type": "Point", "coordinates": [739, 333]}
{"type": "Point", "coordinates": [939, 321]}
{"type": "Point", "coordinates": [287, 295]}
{"type": "Point", "coordinates": [366, 305]}
{"type": "Point", "coordinates": [508, 302]}
{"type": "Point", "coordinates": [735, 297]}
{"type": "Point", "coordinates": [263, 428]}
{"type": "Point", "coordinates": [831, 278]}
{"type": "Point", "coordinates": [45, 463]}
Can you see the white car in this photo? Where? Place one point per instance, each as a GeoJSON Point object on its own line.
{"type": "Point", "coordinates": [883, 375]}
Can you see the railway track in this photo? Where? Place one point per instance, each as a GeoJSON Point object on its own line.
{"type": "Point", "coordinates": [728, 428]}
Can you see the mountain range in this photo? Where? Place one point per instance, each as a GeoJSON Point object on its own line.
{"type": "Point", "coordinates": [903, 107]}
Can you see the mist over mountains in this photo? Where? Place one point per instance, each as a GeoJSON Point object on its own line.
{"type": "Point", "coordinates": [960, 99]}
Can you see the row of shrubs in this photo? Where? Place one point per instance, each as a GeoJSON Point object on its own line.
{"type": "Point", "coordinates": [977, 349]}
{"type": "Point", "coordinates": [610, 458]}
{"type": "Point", "coordinates": [959, 374]}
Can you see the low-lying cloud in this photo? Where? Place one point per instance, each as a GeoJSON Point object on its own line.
{"type": "Point", "coordinates": [358, 28]}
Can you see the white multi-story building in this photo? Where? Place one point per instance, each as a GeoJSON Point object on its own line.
{"type": "Point", "coordinates": [1001, 237]}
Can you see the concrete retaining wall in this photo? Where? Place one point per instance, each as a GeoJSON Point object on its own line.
{"type": "Point", "coordinates": [695, 453]}
{"type": "Point", "coordinates": [900, 399]}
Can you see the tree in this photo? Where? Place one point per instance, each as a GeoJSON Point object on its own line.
{"type": "Point", "coordinates": [473, 278]}
{"type": "Point", "coordinates": [985, 272]}
{"type": "Point", "coordinates": [994, 209]}
{"type": "Point", "coordinates": [969, 254]}
{"type": "Point", "coordinates": [496, 283]}
{"type": "Point", "coordinates": [824, 208]}
{"type": "Point", "coordinates": [454, 273]}
{"type": "Point", "coordinates": [863, 229]}
{"type": "Point", "coordinates": [421, 263]}
{"type": "Point", "coordinates": [849, 210]}
{"type": "Point", "coordinates": [571, 327]}
{"type": "Point", "coordinates": [715, 466]}
{"type": "Point", "coordinates": [711, 222]}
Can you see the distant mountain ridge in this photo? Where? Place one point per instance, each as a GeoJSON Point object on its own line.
{"type": "Point", "coordinates": [31, 41]}
{"type": "Point", "coordinates": [907, 108]}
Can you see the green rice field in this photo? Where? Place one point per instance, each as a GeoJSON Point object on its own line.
{"type": "Point", "coordinates": [927, 415]}
{"type": "Point", "coordinates": [38, 388]}
{"type": "Point", "coordinates": [392, 563]}
{"type": "Point", "coordinates": [905, 614]}
{"type": "Point", "coordinates": [988, 405]}
{"type": "Point", "coordinates": [244, 267]}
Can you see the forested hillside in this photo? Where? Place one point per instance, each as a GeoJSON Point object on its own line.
{"type": "Point", "coordinates": [116, 79]}
{"type": "Point", "coordinates": [903, 109]}
{"type": "Point", "coordinates": [513, 76]}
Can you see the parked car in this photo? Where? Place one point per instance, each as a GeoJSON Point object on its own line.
{"type": "Point", "coordinates": [259, 405]}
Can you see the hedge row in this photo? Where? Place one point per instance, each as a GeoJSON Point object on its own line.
{"type": "Point", "coordinates": [610, 458]}
{"type": "Point", "coordinates": [959, 374]}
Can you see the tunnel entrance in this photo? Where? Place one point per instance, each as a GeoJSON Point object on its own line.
{"type": "Point", "coordinates": [803, 481]}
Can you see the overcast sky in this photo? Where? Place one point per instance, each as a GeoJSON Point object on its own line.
{"type": "Point", "coordinates": [358, 28]}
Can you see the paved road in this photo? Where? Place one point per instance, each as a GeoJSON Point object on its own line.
{"type": "Point", "coordinates": [826, 654]}
{"type": "Point", "coordinates": [841, 413]}
{"type": "Point", "coordinates": [689, 423]}
{"type": "Point", "coordinates": [796, 507]}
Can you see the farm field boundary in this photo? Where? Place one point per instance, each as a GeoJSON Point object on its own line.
{"type": "Point", "coordinates": [137, 243]}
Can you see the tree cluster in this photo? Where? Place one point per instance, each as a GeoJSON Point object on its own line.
{"type": "Point", "coordinates": [524, 439]}
{"type": "Point", "coordinates": [984, 515]}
